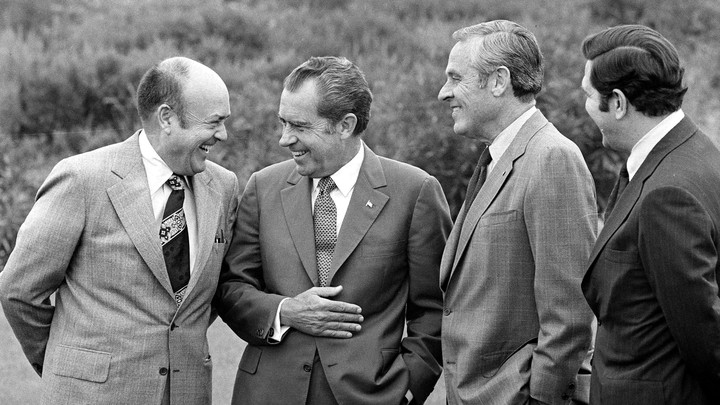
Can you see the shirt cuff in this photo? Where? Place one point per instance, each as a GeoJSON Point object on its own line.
{"type": "Point", "coordinates": [278, 331]}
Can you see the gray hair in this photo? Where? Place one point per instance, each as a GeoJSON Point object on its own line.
{"type": "Point", "coordinates": [506, 43]}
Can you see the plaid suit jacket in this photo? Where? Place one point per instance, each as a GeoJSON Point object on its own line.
{"type": "Point", "coordinates": [515, 321]}
{"type": "Point", "coordinates": [115, 331]}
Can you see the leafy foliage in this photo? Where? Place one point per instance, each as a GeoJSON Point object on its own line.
{"type": "Point", "coordinates": [69, 68]}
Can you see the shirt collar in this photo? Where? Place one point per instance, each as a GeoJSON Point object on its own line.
{"type": "Point", "coordinates": [501, 142]}
{"type": "Point", "coordinates": [346, 177]}
{"type": "Point", "coordinates": [156, 169]}
{"type": "Point", "coordinates": [645, 145]}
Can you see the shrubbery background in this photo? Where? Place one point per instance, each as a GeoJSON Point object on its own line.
{"type": "Point", "coordinates": [69, 68]}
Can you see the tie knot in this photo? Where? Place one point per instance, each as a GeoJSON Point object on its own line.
{"type": "Point", "coordinates": [175, 182]}
{"type": "Point", "coordinates": [326, 185]}
{"type": "Point", "coordinates": [624, 171]}
{"type": "Point", "coordinates": [485, 157]}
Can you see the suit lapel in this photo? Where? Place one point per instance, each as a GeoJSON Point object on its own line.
{"type": "Point", "coordinates": [679, 134]}
{"type": "Point", "coordinates": [495, 181]}
{"type": "Point", "coordinates": [447, 264]}
{"type": "Point", "coordinates": [365, 205]}
{"type": "Point", "coordinates": [131, 199]}
{"type": "Point", "coordinates": [208, 203]}
{"type": "Point", "coordinates": [298, 216]}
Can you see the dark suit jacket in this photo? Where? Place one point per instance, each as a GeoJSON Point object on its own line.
{"type": "Point", "coordinates": [386, 258]}
{"type": "Point", "coordinates": [115, 330]}
{"type": "Point", "coordinates": [652, 280]}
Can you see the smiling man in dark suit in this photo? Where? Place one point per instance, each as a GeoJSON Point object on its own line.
{"type": "Point", "coordinates": [337, 251]}
{"type": "Point", "coordinates": [653, 275]}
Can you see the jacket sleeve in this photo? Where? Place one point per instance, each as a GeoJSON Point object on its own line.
{"type": "Point", "coordinates": [561, 220]}
{"type": "Point", "coordinates": [241, 299]}
{"type": "Point", "coordinates": [39, 262]}
{"type": "Point", "coordinates": [428, 233]}
{"type": "Point", "coordinates": [678, 248]}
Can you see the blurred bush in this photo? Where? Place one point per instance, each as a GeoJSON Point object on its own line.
{"type": "Point", "coordinates": [69, 68]}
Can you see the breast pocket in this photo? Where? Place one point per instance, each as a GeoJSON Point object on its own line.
{"type": "Point", "coordinates": [499, 218]}
{"type": "Point", "coordinates": [387, 249]}
{"type": "Point", "coordinates": [622, 256]}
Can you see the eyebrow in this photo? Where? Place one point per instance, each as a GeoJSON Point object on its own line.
{"type": "Point", "coordinates": [452, 72]}
{"type": "Point", "coordinates": [292, 122]}
{"type": "Point", "coordinates": [218, 117]}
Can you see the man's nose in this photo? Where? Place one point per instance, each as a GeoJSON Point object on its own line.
{"type": "Point", "coordinates": [221, 133]}
{"type": "Point", "coordinates": [286, 139]}
{"type": "Point", "coordinates": [444, 93]}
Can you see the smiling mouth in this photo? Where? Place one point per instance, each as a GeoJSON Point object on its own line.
{"type": "Point", "coordinates": [206, 148]}
{"type": "Point", "coordinates": [298, 153]}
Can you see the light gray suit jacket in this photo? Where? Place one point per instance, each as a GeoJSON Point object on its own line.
{"type": "Point", "coordinates": [516, 322]}
{"type": "Point", "coordinates": [115, 331]}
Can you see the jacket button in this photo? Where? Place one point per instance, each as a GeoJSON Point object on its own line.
{"type": "Point", "coordinates": [163, 370]}
{"type": "Point", "coordinates": [571, 386]}
{"type": "Point", "coordinates": [447, 311]}
{"type": "Point", "coordinates": [307, 368]}
{"type": "Point", "coordinates": [260, 332]}
{"type": "Point", "coordinates": [565, 397]}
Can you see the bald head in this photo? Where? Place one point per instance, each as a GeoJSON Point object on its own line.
{"type": "Point", "coordinates": [171, 82]}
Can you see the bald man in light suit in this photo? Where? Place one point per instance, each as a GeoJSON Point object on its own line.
{"type": "Point", "coordinates": [121, 331]}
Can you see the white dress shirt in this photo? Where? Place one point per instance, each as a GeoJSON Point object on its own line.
{"type": "Point", "coordinates": [158, 173]}
{"type": "Point", "coordinates": [505, 138]}
{"type": "Point", "coordinates": [345, 179]}
{"type": "Point", "coordinates": [645, 145]}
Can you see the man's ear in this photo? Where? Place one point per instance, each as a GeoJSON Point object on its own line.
{"type": "Point", "coordinates": [164, 114]}
{"type": "Point", "coordinates": [346, 126]}
{"type": "Point", "coordinates": [499, 81]}
{"type": "Point", "coordinates": [618, 104]}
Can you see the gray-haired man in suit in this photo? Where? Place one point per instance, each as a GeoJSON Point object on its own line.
{"type": "Point", "coordinates": [133, 278]}
{"type": "Point", "coordinates": [516, 328]}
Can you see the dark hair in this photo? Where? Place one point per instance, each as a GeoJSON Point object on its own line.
{"type": "Point", "coordinates": [341, 85]}
{"type": "Point", "coordinates": [163, 83]}
{"type": "Point", "coordinates": [641, 63]}
{"type": "Point", "coordinates": [506, 43]}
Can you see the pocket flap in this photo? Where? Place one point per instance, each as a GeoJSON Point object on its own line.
{"type": "Point", "coordinates": [83, 364]}
{"type": "Point", "coordinates": [250, 359]}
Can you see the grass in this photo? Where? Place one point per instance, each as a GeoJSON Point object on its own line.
{"type": "Point", "coordinates": [19, 385]}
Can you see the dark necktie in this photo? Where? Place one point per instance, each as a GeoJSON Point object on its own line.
{"type": "Point", "coordinates": [325, 222]}
{"type": "Point", "coordinates": [478, 178]}
{"type": "Point", "coordinates": [174, 239]}
{"type": "Point", "coordinates": [622, 182]}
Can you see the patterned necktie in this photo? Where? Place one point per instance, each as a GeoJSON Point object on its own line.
{"type": "Point", "coordinates": [622, 182]}
{"type": "Point", "coordinates": [174, 239]}
{"type": "Point", "coordinates": [478, 178]}
{"type": "Point", "coordinates": [325, 221]}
